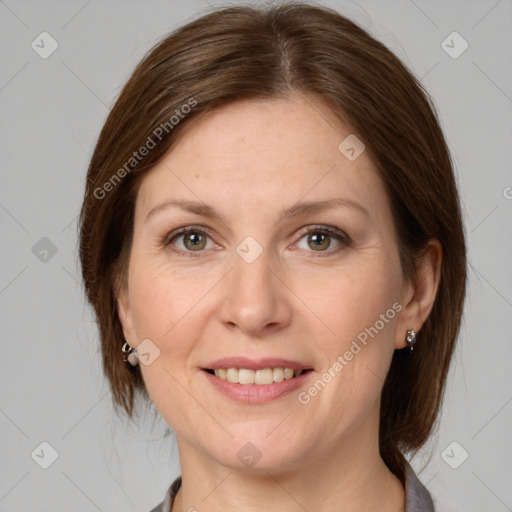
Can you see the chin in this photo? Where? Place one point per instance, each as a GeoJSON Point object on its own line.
{"type": "Point", "coordinates": [260, 453]}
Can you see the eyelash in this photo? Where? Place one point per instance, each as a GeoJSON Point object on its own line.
{"type": "Point", "coordinates": [343, 238]}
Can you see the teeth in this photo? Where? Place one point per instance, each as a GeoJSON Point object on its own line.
{"type": "Point", "coordinates": [278, 374]}
{"type": "Point", "coordinates": [265, 376]}
{"type": "Point", "coordinates": [261, 377]}
{"type": "Point", "coordinates": [246, 376]}
{"type": "Point", "coordinates": [232, 375]}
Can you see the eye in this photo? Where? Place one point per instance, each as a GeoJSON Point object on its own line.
{"type": "Point", "coordinates": [319, 239]}
{"type": "Point", "coordinates": [194, 239]}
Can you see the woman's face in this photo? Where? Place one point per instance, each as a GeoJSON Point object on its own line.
{"type": "Point", "coordinates": [263, 283]}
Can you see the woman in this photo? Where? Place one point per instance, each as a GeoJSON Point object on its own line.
{"type": "Point", "coordinates": [271, 236]}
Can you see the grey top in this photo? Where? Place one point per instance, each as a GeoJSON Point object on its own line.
{"type": "Point", "coordinates": [417, 498]}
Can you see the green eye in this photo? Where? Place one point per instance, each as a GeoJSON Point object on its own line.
{"type": "Point", "coordinates": [319, 240]}
{"type": "Point", "coordinates": [194, 239]}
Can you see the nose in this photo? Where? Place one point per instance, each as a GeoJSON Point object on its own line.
{"type": "Point", "coordinates": [256, 298]}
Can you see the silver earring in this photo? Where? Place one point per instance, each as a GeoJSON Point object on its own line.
{"type": "Point", "coordinates": [411, 339]}
{"type": "Point", "coordinates": [130, 354]}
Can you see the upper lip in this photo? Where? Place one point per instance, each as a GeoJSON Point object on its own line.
{"type": "Point", "coordinates": [255, 364]}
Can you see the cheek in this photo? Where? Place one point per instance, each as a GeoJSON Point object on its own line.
{"type": "Point", "coordinates": [162, 302]}
{"type": "Point", "coordinates": [165, 305]}
{"type": "Point", "coordinates": [351, 302]}
{"type": "Point", "coordinates": [356, 358]}
{"type": "Point", "coordinates": [160, 296]}
{"type": "Point", "coordinates": [360, 309]}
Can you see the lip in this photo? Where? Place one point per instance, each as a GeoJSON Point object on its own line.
{"type": "Point", "coordinates": [256, 364]}
{"type": "Point", "coordinates": [256, 393]}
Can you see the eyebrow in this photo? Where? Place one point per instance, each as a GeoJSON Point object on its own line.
{"type": "Point", "coordinates": [296, 210]}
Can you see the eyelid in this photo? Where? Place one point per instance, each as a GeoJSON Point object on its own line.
{"type": "Point", "coordinates": [331, 230]}
{"type": "Point", "coordinates": [184, 230]}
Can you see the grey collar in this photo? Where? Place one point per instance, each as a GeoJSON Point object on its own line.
{"type": "Point", "coordinates": [417, 498]}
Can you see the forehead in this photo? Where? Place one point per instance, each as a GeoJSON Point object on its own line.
{"type": "Point", "coordinates": [260, 155]}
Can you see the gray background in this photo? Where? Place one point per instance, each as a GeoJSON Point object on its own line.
{"type": "Point", "coordinates": [52, 388]}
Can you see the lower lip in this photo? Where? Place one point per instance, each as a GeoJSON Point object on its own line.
{"type": "Point", "coordinates": [256, 393]}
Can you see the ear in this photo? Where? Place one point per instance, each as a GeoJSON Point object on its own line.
{"type": "Point", "coordinates": [418, 299]}
{"type": "Point", "coordinates": [124, 311]}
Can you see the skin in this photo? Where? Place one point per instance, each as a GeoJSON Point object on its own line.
{"type": "Point", "coordinates": [249, 160]}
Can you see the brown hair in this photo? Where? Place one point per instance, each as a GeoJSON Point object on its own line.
{"type": "Point", "coordinates": [247, 53]}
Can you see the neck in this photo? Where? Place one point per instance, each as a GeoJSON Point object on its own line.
{"type": "Point", "coordinates": [351, 474]}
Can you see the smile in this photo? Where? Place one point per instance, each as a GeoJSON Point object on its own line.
{"type": "Point", "coordinates": [262, 377]}
{"type": "Point", "coordinates": [256, 387]}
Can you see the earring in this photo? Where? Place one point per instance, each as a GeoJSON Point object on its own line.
{"type": "Point", "coordinates": [130, 354]}
{"type": "Point", "coordinates": [411, 339]}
